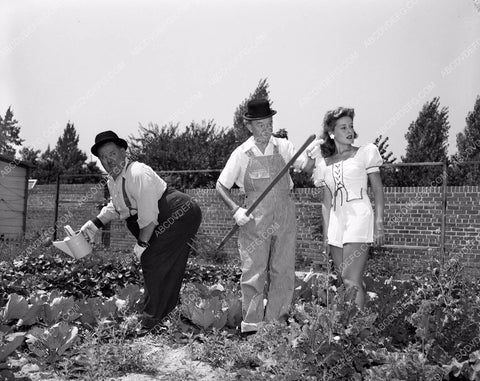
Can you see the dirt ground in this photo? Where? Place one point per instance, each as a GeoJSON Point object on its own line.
{"type": "Point", "coordinates": [170, 363]}
{"type": "Point", "coordinates": [176, 364]}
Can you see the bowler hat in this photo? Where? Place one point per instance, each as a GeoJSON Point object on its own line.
{"type": "Point", "coordinates": [258, 109]}
{"type": "Point", "coordinates": [107, 137]}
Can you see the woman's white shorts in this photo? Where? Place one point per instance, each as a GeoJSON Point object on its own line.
{"type": "Point", "coordinates": [351, 222]}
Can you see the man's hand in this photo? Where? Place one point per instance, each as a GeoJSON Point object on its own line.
{"type": "Point", "coordinates": [89, 230]}
{"type": "Point", "coordinates": [138, 250]}
{"type": "Point", "coordinates": [241, 217]}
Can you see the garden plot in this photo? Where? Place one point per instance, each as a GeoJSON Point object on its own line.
{"type": "Point", "coordinates": [70, 319]}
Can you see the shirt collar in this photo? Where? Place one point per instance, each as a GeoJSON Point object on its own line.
{"type": "Point", "coordinates": [250, 142]}
{"type": "Point", "coordinates": [124, 170]}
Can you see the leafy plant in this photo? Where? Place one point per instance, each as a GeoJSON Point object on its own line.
{"type": "Point", "coordinates": [80, 315]}
{"type": "Point", "coordinates": [52, 343]}
{"type": "Point", "coordinates": [210, 307]}
{"type": "Point", "coordinates": [94, 310]}
{"type": "Point", "coordinates": [16, 308]}
{"type": "Point", "coordinates": [447, 316]}
{"type": "Point", "coordinates": [399, 366]}
{"type": "Point", "coordinates": [9, 343]}
{"type": "Point", "coordinates": [128, 299]}
{"type": "Point", "coordinates": [105, 353]}
{"type": "Point", "coordinates": [468, 369]}
{"type": "Point", "coordinates": [313, 287]}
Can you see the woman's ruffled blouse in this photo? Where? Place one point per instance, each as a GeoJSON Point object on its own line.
{"type": "Point", "coordinates": [348, 178]}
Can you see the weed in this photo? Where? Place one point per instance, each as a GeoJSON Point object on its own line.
{"type": "Point", "coordinates": [106, 352]}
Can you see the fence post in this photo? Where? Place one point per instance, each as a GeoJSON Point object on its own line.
{"type": "Point", "coordinates": [25, 202]}
{"type": "Point", "coordinates": [57, 198]}
{"type": "Point", "coordinates": [107, 229]}
{"type": "Point", "coordinates": [444, 212]}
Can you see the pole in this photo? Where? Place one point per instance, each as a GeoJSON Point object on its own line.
{"type": "Point", "coordinates": [57, 198]}
{"type": "Point", "coordinates": [444, 212]}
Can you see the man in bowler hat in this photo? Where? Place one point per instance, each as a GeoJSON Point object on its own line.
{"type": "Point", "coordinates": [267, 237]}
{"type": "Point", "coordinates": [162, 219]}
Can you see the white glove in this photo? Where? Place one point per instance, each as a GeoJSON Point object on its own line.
{"type": "Point", "coordinates": [138, 250]}
{"type": "Point", "coordinates": [313, 150]}
{"type": "Point", "coordinates": [89, 230]}
{"type": "Point", "coordinates": [241, 217]}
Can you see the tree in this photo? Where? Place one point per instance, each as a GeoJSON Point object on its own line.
{"type": "Point", "coordinates": [200, 146]}
{"type": "Point", "coordinates": [468, 149]}
{"type": "Point", "coordinates": [389, 174]}
{"type": "Point", "coordinates": [382, 144]}
{"type": "Point", "coordinates": [426, 142]}
{"type": "Point", "coordinates": [30, 154]}
{"type": "Point", "coordinates": [68, 156]}
{"type": "Point", "coordinates": [242, 133]}
{"type": "Point", "coordinates": [65, 159]}
{"type": "Point", "coordinates": [9, 134]}
{"type": "Point", "coordinates": [281, 133]}
{"type": "Point", "coordinates": [154, 145]}
{"type": "Point", "coordinates": [46, 170]}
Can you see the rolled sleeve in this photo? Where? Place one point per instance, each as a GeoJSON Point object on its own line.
{"type": "Point", "coordinates": [231, 171]}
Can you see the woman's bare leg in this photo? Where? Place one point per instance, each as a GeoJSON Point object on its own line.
{"type": "Point", "coordinates": [355, 257]}
{"type": "Point", "coordinates": [337, 256]}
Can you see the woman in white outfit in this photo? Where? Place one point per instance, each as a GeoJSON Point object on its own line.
{"type": "Point", "coordinates": [349, 223]}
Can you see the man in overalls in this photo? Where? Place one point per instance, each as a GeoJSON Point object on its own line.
{"type": "Point", "coordinates": [267, 237]}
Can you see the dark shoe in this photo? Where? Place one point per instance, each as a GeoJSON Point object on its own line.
{"type": "Point", "coordinates": [249, 329]}
{"type": "Point", "coordinates": [141, 332]}
{"type": "Point", "coordinates": [244, 335]}
{"type": "Point", "coordinates": [148, 321]}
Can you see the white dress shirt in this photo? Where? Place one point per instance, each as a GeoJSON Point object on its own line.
{"type": "Point", "coordinates": [234, 170]}
{"type": "Point", "coordinates": [143, 187]}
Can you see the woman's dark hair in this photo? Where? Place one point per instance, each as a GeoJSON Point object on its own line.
{"type": "Point", "coordinates": [329, 148]}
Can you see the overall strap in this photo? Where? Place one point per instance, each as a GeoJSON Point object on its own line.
{"type": "Point", "coordinates": [250, 153]}
{"type": "Point", "coordinates": [124, 191]}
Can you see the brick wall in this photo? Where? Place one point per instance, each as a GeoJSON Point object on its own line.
{"type": "Point", "coordinates": [77, 204]}
{"type": "Point", "coordinates": [413, 218]}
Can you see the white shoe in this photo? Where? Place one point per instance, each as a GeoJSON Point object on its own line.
{"type": "Point", "coordinates": [250, 327]}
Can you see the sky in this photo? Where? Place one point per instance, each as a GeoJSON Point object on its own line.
{"type": "Point", "coordinates": [116, 64]}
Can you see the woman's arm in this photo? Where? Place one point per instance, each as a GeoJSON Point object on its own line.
{"type": "Point", "coordinates": [377, 187]}
{"type": "Point", "coordinates": [306, 161]}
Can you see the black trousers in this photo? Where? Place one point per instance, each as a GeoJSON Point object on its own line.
{"type": "Point", "coordinates": [164, 260]}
